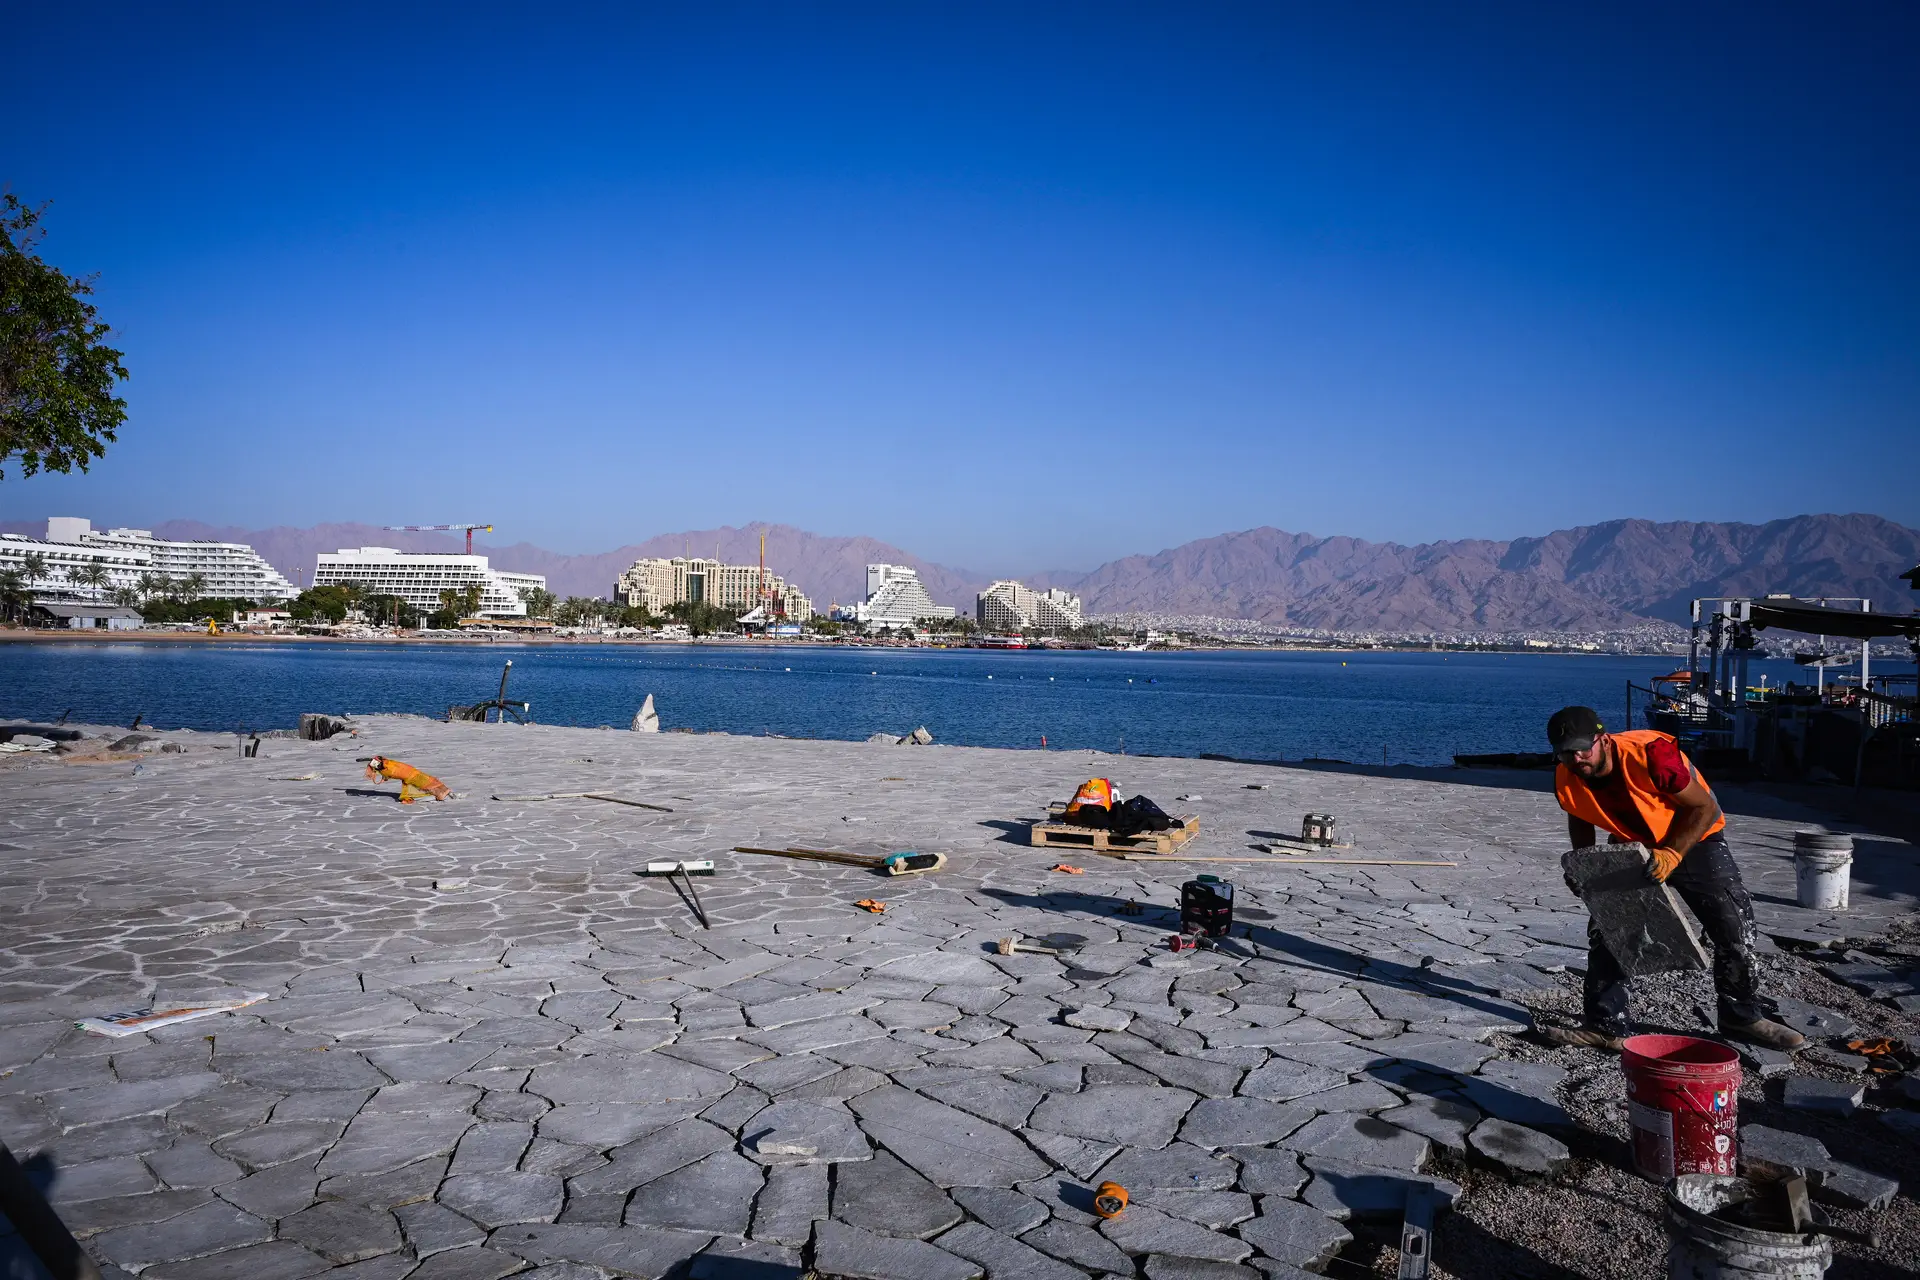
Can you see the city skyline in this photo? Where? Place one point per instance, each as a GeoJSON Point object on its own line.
{"type": "Point", "coordinates": [1012, 288]}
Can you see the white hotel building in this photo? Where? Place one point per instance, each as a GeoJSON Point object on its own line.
{"type": "Point", "coordinates": [418, 577]}
{"type": "Point", "coordinates": [227, 570]}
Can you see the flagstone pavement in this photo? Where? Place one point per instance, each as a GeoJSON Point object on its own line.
{"type": "Point", "coordinates": [491, 1048]}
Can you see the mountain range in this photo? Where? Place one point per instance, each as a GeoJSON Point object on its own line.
{"type": "Point", "coordinates": [1600, 577]}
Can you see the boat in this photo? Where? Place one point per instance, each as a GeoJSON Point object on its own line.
{"type": "Point", "coordinates": [1002, 642]}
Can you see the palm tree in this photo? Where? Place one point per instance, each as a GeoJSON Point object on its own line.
{"type": "Point", "coordinates": [33, 567]}
{"type": "Point", "coordinates": [148, 585]}
{"type": "Point", "coordinates": [93, 574]}
{"type": "Point", "coordinates": [127, 597]}
{"type": "Point", "coordinates": [195, 583]}
{"type": "Point", "coordinates": [13, 591]}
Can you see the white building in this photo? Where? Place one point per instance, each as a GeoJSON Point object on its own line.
{"type": "Point", "coordinates": [226, 570]}
{"type": "Point", "coordinates": [897, 598]}
{"type": "Point", "coordinates": [65, 566]}
{"type": "Point", "coordinates": [1010, 606]}
{"type": "Point", "coordinates": [418, 577]}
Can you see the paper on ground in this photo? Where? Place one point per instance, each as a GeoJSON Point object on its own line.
{"type": "Point", "coordinates": [133, 1021]}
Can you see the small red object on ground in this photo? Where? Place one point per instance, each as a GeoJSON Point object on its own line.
{"type": "Point", "coordinates": [1072, 871]}
{"type": "Point", "coordinates": [1683, 1103]}
{"type": "Point", "coordinates": [868, 904]}
{"type": "Point", "coordinates": [1179, 942]}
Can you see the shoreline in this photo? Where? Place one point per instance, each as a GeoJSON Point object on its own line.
{"type": "Point", "coordinates": [51, 636]}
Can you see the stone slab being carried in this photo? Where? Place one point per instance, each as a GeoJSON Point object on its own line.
{"type": "Point", "coordinates": [1642, 921]}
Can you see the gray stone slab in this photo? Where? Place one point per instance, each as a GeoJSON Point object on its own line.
{"type": "Point", "coordinates": [1216, 1210]}
{"type": "Point", "coordinates": [1296, 1234]}
{"type": "Point", "coordinates": [1348, 1191]}
{"type": "Point", "coordinates": [795, 1197]}
{"type": "Point", "coordinates": [1773, 1155]}
{"type": "Point", "coordinates": [274, 1260]}
{"type": "Point", "coordinates": [1270, 1171]}
{"type": "Point", "coordinates": [210, 1228]}
{"type": "Point", "coordinates": [343, 1232]}
{"type": "Point", "coordinates": [991, 1097]}
{"type": "Point", "coordinates": [503, 1198]}
{"type": "Point", "coordinates": [1178, 1167]}
{"type": "Point", "coordinates": [801, 1131]}
{"type": "Point", "coordinates": [275, 1192]}
{"type": "Point", "coordinates": [1004, 1257]}
{"type": "Point", "coordinates": [630, 1078]}
{"type": "Point", "coordinates": [823, 1033]}
{"type": "Point", "coordinates": [714, 1195]}
{"type": "Point", "coordinates": [1502, 1102]}
{"type": "Point", "coordinates": [1644, 924]}
{"type": "Point", "coordinates": [1828, 1097]}
{"type": "Point", "coordinates": [652, 1156]}
{"type": "Point", "coordinates": [948, 1147]}
{"type": "Point", "coordinates": [476, 1263]}
{"type": "Point", "coordinates": [1443, 1121]}
{"type": "Point", "coordinates": [1241, 1122]}
{"type": "Point", "coordinates": [1140, 1230]}
{"type": "Point", "coordinates": [76, 1107]}
{"type": "Point", "coordinates": [944, 968]}
{"type": "Point", "coordinates": [1517, 1151]}
{"type": "Point", "coordinates": [626, 1251]}
{"type": "Point", "coordinates": [1196, 1075]}
{"type": "Point", "coordinates": [1077, 1156]}
{"type": "Point", "coordinates": [610, 1124]}
{"type": "Point", "coordinates": [1005, 1211]}
{"type": "Point", "coordinates": [431, 1228]}
{"type": "Point", "coordinates": [1848, 1186]}
{"type": "Point", "coordinates": [1361, 1139]}
{"type": "Point", "coordinates": [1096, 1018]}
{"type": "Point", "coordinates": [1282, 1080]}
{"type": "Point", "coordinates": [841, 1250]}
{"type": "Point", "coordinates": [375, 1144]}
{"type": "Point", "coordinates": [491, 1148]}
{"type": "Point", "coordinates": [1162, 1267]}
{"type": "Point", "coordinates": [385, 1190]}
{"type": "Point", "coordinates": [884, 1195]}
{"type": "Point", "coordinates": [1360, 1095]}
{"type": "Point", "coordinates": [1127, 1115]}
{"type": "Point", "coordinates": [1816, 1022]}
{"type": "Point", "coordinates": [1080, 1245]}
{"type": "Point", "coordinates": [726, 1259]}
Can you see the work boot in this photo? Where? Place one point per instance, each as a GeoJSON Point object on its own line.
{"type": "Point", "coordinates": [1586, 1036]}
{"type": "Point", "coordinates": [1764, 1032]}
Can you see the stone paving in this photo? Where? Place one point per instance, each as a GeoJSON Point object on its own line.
{"type": "Point", "coordinates": [492, 1049]}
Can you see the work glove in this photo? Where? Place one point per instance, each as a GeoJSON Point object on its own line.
{"type": "Point", "coordinates": [1661, 864]}
{"type": "Point", "coordinates": [1572, 888]}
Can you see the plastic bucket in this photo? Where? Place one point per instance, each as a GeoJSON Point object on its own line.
{"type": "Point", "coordinates": [1704, 1246]}
{"type": "Point", "coordinates": [1683, 1102]}
{"type": "Point", "coordinates": [1822, 869]}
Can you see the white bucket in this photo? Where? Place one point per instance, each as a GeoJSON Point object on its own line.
{"type": "Point", "coordinates": [1822, 869]}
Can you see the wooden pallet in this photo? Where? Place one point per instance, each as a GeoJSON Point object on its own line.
{"type": "Point", "coordinates": [1067, 836]}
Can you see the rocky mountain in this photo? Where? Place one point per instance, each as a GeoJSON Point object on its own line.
{"type": "Point", "coordinates": [1597, 577]}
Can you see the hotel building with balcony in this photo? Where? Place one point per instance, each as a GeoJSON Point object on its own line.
{"type": "Point", "coordinates": [654, 584]}
{"type": "Point", "coordinates": [419, 577]}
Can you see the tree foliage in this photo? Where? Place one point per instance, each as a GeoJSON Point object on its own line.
{"type": "Point", "coordinates": [319, 604]}
{"type": "Point", "coordinates": [57, 407]}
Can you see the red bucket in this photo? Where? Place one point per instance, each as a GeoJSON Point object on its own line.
{"type": "Point", "coordinates": [1683, 1102]}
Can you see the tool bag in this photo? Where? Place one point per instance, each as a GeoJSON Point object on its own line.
{"type": "Point", "coordinates": [1137, 815]}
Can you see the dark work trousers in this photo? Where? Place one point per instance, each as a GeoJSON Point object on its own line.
{"type": "Point", "coordinates": [1709, 883]}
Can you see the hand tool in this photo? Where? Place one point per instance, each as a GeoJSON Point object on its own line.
{"type": "Point", "coordinates": [1013, 946]}
{"type": "Point", "coordinates": [686, 871]}
{"type": "Point", "coordinates": [909, 863]}
{"type": "Point", "coordinates": [591, 795]}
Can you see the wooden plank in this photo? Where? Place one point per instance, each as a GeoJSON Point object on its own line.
{"type": "Point", "coordinates": [1280, 862]}
{"type": "Point", "coordinates": [1065, 835]}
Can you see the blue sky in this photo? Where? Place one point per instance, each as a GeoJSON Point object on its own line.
{"type": "Point", "coordinates": [1014, 286]}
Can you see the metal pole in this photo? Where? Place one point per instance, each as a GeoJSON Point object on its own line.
{"type": "Point", "coordinates": [1866, 648]}
{"type": "Point", "coordinates": [500, 703]}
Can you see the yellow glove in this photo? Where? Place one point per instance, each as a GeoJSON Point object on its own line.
{"type": "Point", "coordinates": [1661, 865]}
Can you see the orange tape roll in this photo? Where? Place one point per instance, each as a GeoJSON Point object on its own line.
{"type": "Point", "coordinates": [1109, 1198]}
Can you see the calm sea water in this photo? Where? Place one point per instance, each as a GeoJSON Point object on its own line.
{"type": "Point", "coordinates": [1368, 707]}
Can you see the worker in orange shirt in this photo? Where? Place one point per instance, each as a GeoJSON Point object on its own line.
{"type": "Point", "coordinates": [1640, 787]}
{"type": "Point", "coordinates": [413, 783]}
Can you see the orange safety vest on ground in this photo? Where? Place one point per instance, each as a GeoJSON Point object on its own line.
{"type": "Point", "coordinates": [1094, 793]}
{"type": "Point", "coordinates": [408, 776]}
{"type": "Point", "coordinates": [1655, 807]}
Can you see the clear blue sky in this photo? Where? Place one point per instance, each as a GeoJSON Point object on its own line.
{"type": "Point", "coordinates": [1014, 286]}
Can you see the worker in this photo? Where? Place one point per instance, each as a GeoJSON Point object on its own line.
{"type": "Point", "coordinates": [1640, 787]}
{"type": "Point", "coordinates": [413, 783]}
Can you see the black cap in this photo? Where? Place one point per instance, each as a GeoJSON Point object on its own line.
{"type": "Point", "coordinates": [1574, 728]}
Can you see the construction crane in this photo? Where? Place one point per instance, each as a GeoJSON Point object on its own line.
{"type": "Point", "coordinates": [436, 528]}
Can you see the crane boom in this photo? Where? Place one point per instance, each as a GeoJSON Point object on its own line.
{"type": "Point", "coordinates": [435, 528]}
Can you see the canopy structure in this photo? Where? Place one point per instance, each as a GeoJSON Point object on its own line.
{"type": "Point", "coordinates": [1817, 620]}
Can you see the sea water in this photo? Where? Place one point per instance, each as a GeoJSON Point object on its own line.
{"type": "Point", "coordinates": [1367, 707]}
